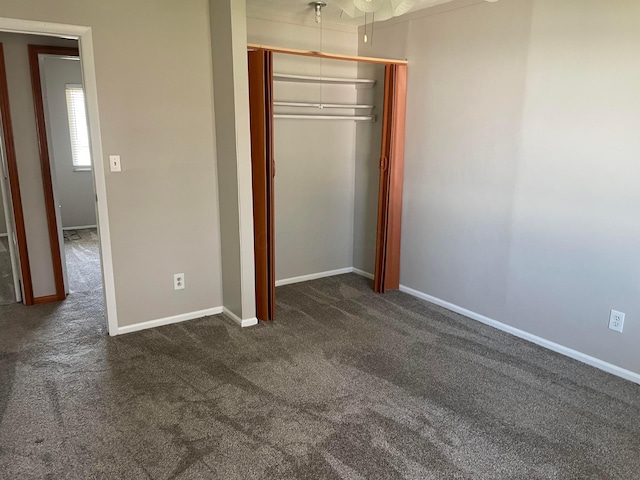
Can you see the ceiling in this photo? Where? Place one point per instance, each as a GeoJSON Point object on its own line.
{"type": "Point", "coordinates": [301, 12]}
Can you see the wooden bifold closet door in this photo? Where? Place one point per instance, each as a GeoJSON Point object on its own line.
{"type": "Point", "coordinates": [387, 269]}
{"type": "Point", "coordinates": [263, 171]}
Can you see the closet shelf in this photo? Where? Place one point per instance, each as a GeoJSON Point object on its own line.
{"type": "Point", "coordinates": [357, 118]}
{"type": "Point", "coordinates": [285, 77]}
{"type": "Point", "coordinates": [322, 105]}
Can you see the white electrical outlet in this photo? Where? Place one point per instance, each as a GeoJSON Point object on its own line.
{"type": "Point", "coordinates": [616, 321]}
{"type": "Point", "coordinates": [178, 281]}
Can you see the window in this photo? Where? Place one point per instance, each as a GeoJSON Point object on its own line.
{"type": "Point", "coordinates": [78, 128]}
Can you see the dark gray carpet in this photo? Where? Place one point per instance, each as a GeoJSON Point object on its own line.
{"type": "Point", "coordinates": [7, 289]}
{"type": "Point", "coordinates": [344, 385]}
{"type": "Point", "coordinates": [83, 260]}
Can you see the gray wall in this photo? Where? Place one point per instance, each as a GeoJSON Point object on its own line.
{"type": "Point", "coordinates": [231, 86]}
{"type": "Point", "coordinates": [386, 43]}
{"type": "Point", "coordinates": [575, 225]}
{"type": "Point", "coordinates": [153, 66]}
{"type": "Point", "coordinates": [74, 189]}
{"type": "Point", "coordinates": [315, 159]}
{"type": "Point", "coordinates": [521, 157]}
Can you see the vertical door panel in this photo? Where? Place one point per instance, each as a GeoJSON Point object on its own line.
{"type": "Point", "coordinates": [263, 171]}
{"type": "Point", "coordinates": [387, 269]}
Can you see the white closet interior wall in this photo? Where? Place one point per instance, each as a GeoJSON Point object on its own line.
{"type": "Point", "coordinates": [368, 141]}
{"type": "Point", "coordinates": [315, 187]}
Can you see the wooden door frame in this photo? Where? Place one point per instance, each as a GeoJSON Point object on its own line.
{"type": "Point", "coordinates": [325, 55]}
{"type": "Point", "coordinates": [45, 162]}
{"type": "Point", "coordinates": [14, 184]}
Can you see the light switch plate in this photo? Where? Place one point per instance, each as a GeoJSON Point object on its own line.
{"type": "Point", "coordinates": [114, 163]}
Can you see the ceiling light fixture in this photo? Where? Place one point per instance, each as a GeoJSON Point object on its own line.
{"type": "Point", "coordinates": [383, 9]}
{"type": "Point", "coordinates": [318, 6]}
{"type": "Point", "coordinates": [379, 10]}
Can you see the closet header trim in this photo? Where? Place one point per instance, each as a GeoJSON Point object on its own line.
{"type": "Point", "coordinates": [332, 56]}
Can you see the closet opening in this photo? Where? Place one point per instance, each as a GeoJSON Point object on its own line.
{"type": "Point", "coordinates": [327, 138]}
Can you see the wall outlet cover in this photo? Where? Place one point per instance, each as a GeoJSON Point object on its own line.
{"type": "Point", "coordinates": [616, 320]}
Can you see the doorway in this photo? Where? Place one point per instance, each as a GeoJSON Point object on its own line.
{"type": "Point", "coordinates": [83, 36]}
{"type": "Point", "coordinates": [63, 138]}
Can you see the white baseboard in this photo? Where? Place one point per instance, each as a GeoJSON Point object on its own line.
{"type": "Point", "coordinates": [362, 273]}
{"type": "Point", "coordinates": [4, 235]}
{"type": "Point", "coordinates": [579, 356]}
{"type": "Point", "coordinates": [81, 227]}
{"type": "Point", "coordinates": [247, 322]}
{"type": "Point", "coordinates": [168, 320]}
{"type": "Point", "coordinates": [313, 276]}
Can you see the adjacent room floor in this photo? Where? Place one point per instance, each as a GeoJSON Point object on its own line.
{"type": "Point", "coordinates": [83, 261]}
{"type": "Point", "coordinates": [83, 265]}
{"type": "Point", "coordinates": [345, 384]}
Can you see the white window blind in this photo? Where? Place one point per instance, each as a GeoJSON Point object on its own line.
{"type": "Point", "coordinates": [78, 127]}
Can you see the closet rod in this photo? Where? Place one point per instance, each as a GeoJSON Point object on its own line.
{"type": "Point", "coordinates": [322, 105]}
{"type": "Point", "coordinates": [332, 56]}
{"type": "Point", "coordinates": [360, 118]}
{"type": "Point", "coordinates": [289, 77]}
